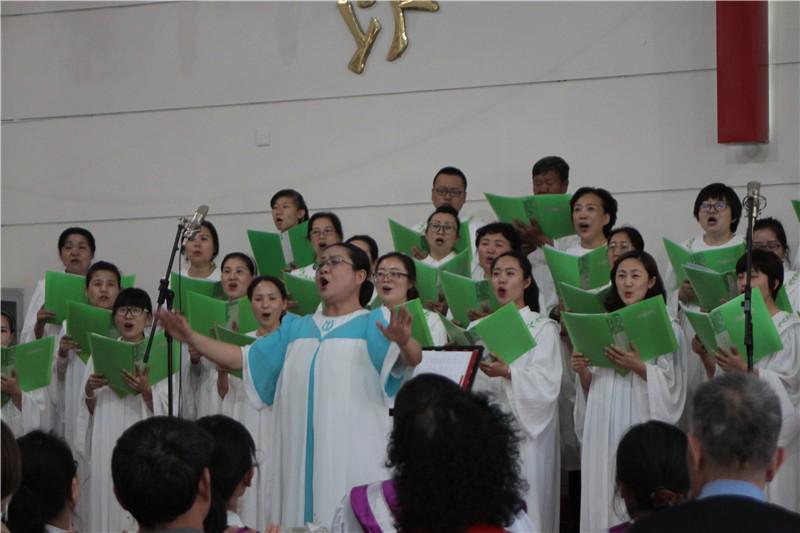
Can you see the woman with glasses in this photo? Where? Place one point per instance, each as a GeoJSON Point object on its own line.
{"type": "Point", "coordinates": [441, 234]}
{"type": "Point", "coordinates": [768, 234]}
{"type": "Point", "coordinates": [324, 229]}
{"type": "Point", "coordinates": [622, 240]}
{"type": "Point", "coordinates": [328, 377]}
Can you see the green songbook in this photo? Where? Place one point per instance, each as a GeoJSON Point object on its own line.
{"type": "Point", "coordinates": [303, 253]}
{"type": "Point", "coordinates": [205, 312]}
{"type": "Point", "coordinates": [782, 301]}
{"type": "Point", "coordinates": [461, 264]}
{"type": "Point", "coordinates": [85, 319]}
{"type": "Point", "coordinates": [724, 326]}
{"type": "Point", "coordinates": [646, 324]}
{"type": "Point", "coordinates": [304, 292]}
{"type": "Point", "coordinates": [458, 335]}
{"type": "Point", "coordinates": [577, 300]}
{"type": "Point", "coordinates": [419, 324]}
{"type": "Point", "coordinates": [505, 333]}
{"type": "Point", "coordinates": [463, 293]}
{"type": "Point", "coordinates": [551, 211]}
{"type": "Point", "coordinates": [267, 251]}
{"type": "Point", "coordinates": [60, 288]}
{"type": "Point", "coordinates": [128, 281]}
{"type": "Point", "coordinates": [405, 239]}
{"type": "Point", "coordinates": [33, 362]}
{"type": "Point", "coordinates": [235, 338]}
{"type": "Point", "coordinates": [588, 271]}
{"type": "Point", "coordinates": [796, 205]}
{"type": "Point", "coordinates": [712, 288]}
{"type": "Point", "coordinates": [719, 259]}
{"type": "Point", "coordinates": [240, 312]}
{"type": "Point", "coordinates": [427, 281]}
{"type": "Point", "coordinates": [183, 285]}
{"type": "Point", "coordinates": [157, 362]}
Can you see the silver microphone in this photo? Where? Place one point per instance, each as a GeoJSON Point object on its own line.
{"type": "Point", "coordinates": [192, 227]}
{"type": "Point", "coordinates": [754, 202]}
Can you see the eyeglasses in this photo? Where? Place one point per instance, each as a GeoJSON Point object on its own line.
{"type": "Point", "coordinates": [331, 262]}
{"type": "Point", "coordinates": [621, 246]}
{"type": "Point", "coordinates": [445, 192]}
{"type": "Point", "coordinates": [444, 228]}
{"type": "Point", "coordinates": [394, 275]}
{"type": "Point", "coordinates": [715, 206]}
{"type": "Point", "coordinates": [133, 311]}
{"type": "Point", "coordinates": [320, 233]}
{"type": "Point", "coordinates": [767, 245]}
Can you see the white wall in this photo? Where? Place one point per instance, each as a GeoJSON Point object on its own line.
{"type": "Point", "coordinates": [105, 108]}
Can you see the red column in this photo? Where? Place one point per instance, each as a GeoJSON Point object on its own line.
{"type": "Point", "coordinates": [742, 72]}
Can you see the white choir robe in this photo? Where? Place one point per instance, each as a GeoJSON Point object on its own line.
{"type": "Point", "coordinates": [215, 275]}
{"type": "Point", "coordinates": [31, 415]}
{"type": "Point", "coordinates": [474, 223]}
{"type": "Point", "coordinates": [201, 384]}
{"type": "Point", "coordinates": [791, 284]}
{"type": "Point", "coordinates": [96, 436]}
{"type": "Point", "coordinates": [36, 303]}
{"type": "Point", "coordinates": [436, 263]}
{"type": "Point", "coordinates": [614, 404]}
{"type": "Point", "coordinates": [306, 272]}
{"type": "Point", "coordinates": [328, 380]}
{"type": "Point", "coordinates": [531, 395]}
{"type": "Point", "coordinates": [796, 264]}
{"type": "Point", "coordinates": [541, 272]}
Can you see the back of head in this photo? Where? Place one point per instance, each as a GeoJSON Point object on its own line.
{"type": "Point", "coordinates": [11, 468]}
{"type": "Point", "coordinates": [157, 466]}
{"type": "Point", "coordinates": [48, 474]}
{"type": "Point", "coordinates": [737, 418]}
{"type": "Point", "coordinates": [454, 457]}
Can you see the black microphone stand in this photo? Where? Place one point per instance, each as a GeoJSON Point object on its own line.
{"type": "Point", "coordinates": [751, 203]}
{"type": "Point", "coordinates": [165, 296]}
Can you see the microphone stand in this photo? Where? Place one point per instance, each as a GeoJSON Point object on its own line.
{"type": "Point", "coordinates": [165, 296]}
{"type": "Point", "coordinates": [752, 206]}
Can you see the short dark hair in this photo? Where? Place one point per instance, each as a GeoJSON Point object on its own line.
{"type": "Point", "coordinates": [246, 259]}
{"type": "Point", "coordinates": [776, 227]}
{"type": "Point", "coordinates": [133, 297]}
{"type": "Point", "coordinates": [12, 324]}
{"type": "Point", "coordinates": [156, 467]}
{"type": "Point", "coordinates": [633, 234]}
{"type": "Point", "coordinates": [613, 301]}
{"type": "Point", "coordinates": [261, 279]}
{"type": "Point", "coordinates": [298, 199]}
{"type": "Point", "coordinates": [451, 171]}
{"type": "Point", "coordinates": [768, 264]}
{"type": "Point", "coordinates": [554, 163]}
{"type": "Point", "coordinates": [651, 459]}
{"type": "Point", "coordinates": [720, 191]}
{"type": "Point", "coordinates": [213, 231]}
{"type": "Point", "coordinates": [11, 471]}
{"type": "Point", "coordinates": [360, 261]}
{"type": "Point", "coordinates": [411, 269]}
{"type": "Point", "coordinates": [233, 457]}
{"type": "Point", "coordinates": [737, 419]}
{"type": "Point", "coordinates": [48, 471]}
{"type": "Point", "coordinates": [337, 224]}
{"type": "Point", "coordinates": [531, 292]}
{"type": "Point", "coordinates": [448, 209]}
{"type": "Point", "coordinates": [371, 244]}
{"type": "Point", "coordinates": [444, 477]}
{"type": "Point", "coordinates": [103, 266]}
{"type": "Point", "coordinates": [62, 239]}
{"type": "Point", "coordinates": [608, 201]}
{"type": "Point", "coordinates": [502, 228]}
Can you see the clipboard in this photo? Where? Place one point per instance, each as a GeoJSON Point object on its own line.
{"type": "Point", "coordinates": [457, 363]}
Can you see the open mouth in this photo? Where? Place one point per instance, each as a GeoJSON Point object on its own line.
{"type": "Point", "coordinates": [628, 295]}
{"type": "Point", "coordinates": [323, 282]}
{"type": "Point", "coordinates": [128, 326]}
{"type": "Point", "coordinates": [278, 221]}
{"type": "Point", "coordinates": [583, 226]}
{"type": "Point", "coordinates": [712, 221]}
{"type": "Point", "coordinates": [386, 289]}
{"type": "Point", "coordinates": [501, 292]}
{"type": "Point", "coordinates": [232, 286]}
{"type": "Point", "coordinates": [323, 245]}
{"type": "Point", "coordinates": [439, 241]}
{"type": "Point", "coordinates": [265, 316]}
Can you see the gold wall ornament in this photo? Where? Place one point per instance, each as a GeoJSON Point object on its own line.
{"type": "Point", "coordinates": [365, 40]}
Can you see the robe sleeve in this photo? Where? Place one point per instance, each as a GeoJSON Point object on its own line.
{"type": "Point", "coordinates": [85, 422]}
{"type": "Point", "coordinates": [579, 409]}
{"type": "Point", "coordinates": [666, 382]}
{"type": "Point", "coordinates": [436, 326]}
{"type": "Point", "coordinates": [782, 372]}
{"type": "Point", "coordinates": [36, 303]}
{"type": "Point", "coordinates": [385, 356]}
{"type": "Point", "coordinates": [535, 382]}
{"type": "Point", "coordinates": [262, 363]}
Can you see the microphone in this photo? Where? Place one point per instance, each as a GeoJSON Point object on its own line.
{"type": "Point", "coordinates": [192, 227]}
{"type": "Point", "coordinates": [754, 202]}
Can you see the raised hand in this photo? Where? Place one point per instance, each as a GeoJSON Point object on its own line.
{"type": "Point", "coordinates": [399, 328]}
{"type": "Point", "coordinates": [175, 324]}
{"type": "Point", "coordinates": [42, 316]}
{"type": "Point", "coordinates": [66, 344]}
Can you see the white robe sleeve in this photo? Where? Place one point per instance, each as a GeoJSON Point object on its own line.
{"type": "Point", "coordinates": [666, 382]}
{"type": "Point", "coordinates": [436, 326]}
{"type": "Point", "coordinates": [84, 425]}
{"type": "Point", "coordinates": [782, 372]}
{"type": "Point", "coordinates": [36, 303]}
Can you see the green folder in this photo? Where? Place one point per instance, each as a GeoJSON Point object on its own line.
{"type": "Point", "coordinates": [458, 335]}
{"type": "Point", "coordinates": [85, 319]}
{"type": "Point", "coordinates": [551, 211]}
{"type": "Point", "coordinates": [796, 205]}
{"type": "Point", "coordinates": [128, 281]}
{"type": "Point", "coordinates": [183, 285]}
{"type": "Point", "coordinates": [241, 312]}
{"type": "Point", "coordinates": [724, 326]}
{"type": "Point", "coordinates": [303, 253]}
{"type": "Point", "coordinates": [427, 283]}
{"type": "Point", "coordinates": [59, 288]}
{"type": "Point", "coordinates": [711, 287]}
{"type": "Point", "coordinates": [461, 264]}
{"type": "Point", "coordinates": [646, 324]}
{"type": "Point", "coordinates": [782, 301]}
{"type": "Point", "coordinates": [267, 252]}
{"type": "Point", "coordinates": [577, 300]}
{"type": "Point", "coordinates": [157, 363]}
{"type": "Point", "coordinates": [505, 333]}
{"type": "Point", "coordinates": [588, 271]}
{"type": "Point", "coordinates": [463, 293]}
{"type": "Point", "coordinates": [719, 259]}
{"type": "Point", "coordinates": [33, 362]}
{"type": "Point", "coordinates": [304, 292]}
{"type": "Point", "coordinates": [205, 312]}
{"type": "Point", "coordinates": [419, 324]}
{"type": "Point", "coordinates": [405, 239]}
{"type": "Point", "coordinates": [235, 338]}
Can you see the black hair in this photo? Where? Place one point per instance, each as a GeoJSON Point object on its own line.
{"type": "Point", "coordinates": [768, 264]}
{"type": "Point", "coordinates": [233, 457]}
{"type": "Point", "coordinates": [774, 225]}
{"type": "Point", "coordinates": [613, 300]}
{"type": "Point", "coordinates": [260, 279]}
{"type": "Point", "coordinates": [337, 224]}
{"type": "Point", "coordinates": [62, 239]}
{"type": "Point", "coordinates": [411, 270]}
{"type": "Point", "coordinates": [48, 471]}
{"type": "Point", "coordinates": [504, 229]}
{"type": "Point", "coordinates": [103, 266]}
{"type": "Point", "coordinates": [633, 234]}
{"type": "Point", "coordinates": [298, 199]}
{"type": "Point", "coordinates": [12, 324]}
{"type": "Point", "coordinates": [11, 471]}
{"type": "Point", "coordinates": [444, 477]}
{"type": "Point", "coordinates": [360, 261]}
{"type": "Point", "coordinates": [447, 209]}
{"type": "Point", "coordinates": [451, 171]}
{"type": "Point", "coordinates": [554, 163]}
{"type": "Point", "coordinates": [720, 191]}
{"type": "Point", "coordinates": [246, 259]}
{"type": "Point", "coordinates": [651, 463]}
{"type": "Point", "coordinates": [608, 201]}
{"type": "Point", "coordinates": [371, 244]}
{"type": "Point", "coordinates": [157, 465]}
{"type": "Point", "coordinates": [132, 297]}
{"type": "Point", "coordinates": [214, 237]}
{"type": "Point", "coordinates": [531, 292]}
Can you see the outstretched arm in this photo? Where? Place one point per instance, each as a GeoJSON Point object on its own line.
{"type": "Point", "coordinates": [221, 353]}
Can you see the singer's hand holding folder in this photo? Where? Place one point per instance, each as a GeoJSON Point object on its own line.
{"type": "Point", "coordinates": [551, 211]}
{"type": "Point", "coordinates": [464, 294]}
{"type": "Point", "coordinates": [505, 333]}
{"type": "Point", "coordinates": [32, 361]}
